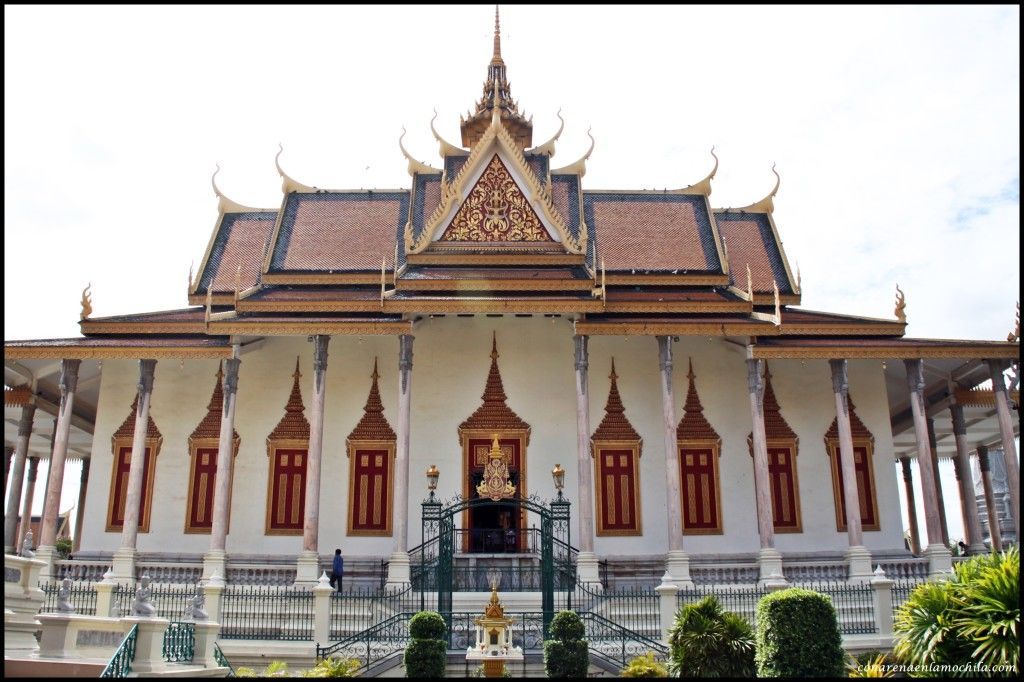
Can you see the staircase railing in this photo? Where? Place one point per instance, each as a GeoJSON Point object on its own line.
{"type": "Point", "coordinates": [121, 662]}
{"type": "Point", "coordinates": [617, 645]}
{"type": "Point", "coordinates": [374, 644]}
{"type": "Point", "coordinates": [179, 642]}
{"type": "Point", "coordinates": [222, 660]}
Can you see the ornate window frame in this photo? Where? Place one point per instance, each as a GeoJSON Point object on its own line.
{"type": "Point", "coordinates": [152, 446]}
{"type": "Point", "coordinates": [194, 446]}
{"type": "Point", "coordinates": [792, 445]}
{"type": "Point", "coordinates": [468, 435]}
{"type": "Point", "coordinates": [354, 448]}
{"type": "Point", "coordinates": [272, 447]}
{"type": "Point", "coordinates": [832, 449]}
{"type": "Point", "coordinates": [715, 446]}
{"type": "Point", "coordinates": [635, 447]}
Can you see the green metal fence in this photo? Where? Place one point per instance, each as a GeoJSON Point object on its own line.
{"type": "Point", "coordinates": [222, 660]}
{"type": "Point", "coordinates": [356, 609]}
{"type": "Point", "coordinates": [633, 607]}
{"type": "Point", "coordinates": [83, 597]}
{"type": "Point", "coordinates": [274, 612]}
{"type": "Point", "coordinates": [179, 642]}
{"type": "Point", "coordinates": [618, 645]}
{"type": "Point", "coordinates": [121, 662]}
{"type": "Point", "coordinates": [373, 645]}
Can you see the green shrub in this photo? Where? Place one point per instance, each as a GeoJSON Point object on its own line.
{"type": "Point", "coordinates": [334, 667]}
{"type": "Point", "coordinates": [566, 655]}
{"type": "Point", "coordinates": [644, 666]}
{"type": "Point", "coordinates": [273, 669]}
{"type": "Point", "coordinates": [798, 636]}
{"type": "Point", "coordinates": [427, 653]}
{"type": "Point", "coordinates": [869, 664]}
{"type": "Point", "coordinates": [972, 618]}
{"type": "Point", "coordinates": [63, 547]}
{"type": "Point", "coordinates": [707, 641]}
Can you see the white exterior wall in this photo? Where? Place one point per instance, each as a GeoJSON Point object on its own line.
{"type": "Point", "coordinates": [450, 365]}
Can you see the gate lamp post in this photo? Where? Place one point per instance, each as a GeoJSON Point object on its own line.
{"type": "Point", "coordinates": [558, 474]}
{"type": "Point", "coordinates": [432, 475]}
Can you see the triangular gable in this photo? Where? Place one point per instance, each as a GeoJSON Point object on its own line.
{"type": "Point", "coordinates": [496, 210]}
{"type": "Point", "coordinates": [495, 153]}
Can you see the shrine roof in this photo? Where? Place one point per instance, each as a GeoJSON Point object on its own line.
{"type": "Point", "coordinates": [652, 231]}
{"type": "Point", "coordinates": [120, 347]}
{"type": "Point", "coordinates": [457, 273]}
{"type": "Point", "coordinates": [327, 231]}
{"type": "Point", "coordinates": [750, 239]}
{"type": "Point", "coordinates": [239, 240]}
{"type": "Point", "coordinates": [181, 321]}
{"type": "Point", "coordinates": [883, 348]}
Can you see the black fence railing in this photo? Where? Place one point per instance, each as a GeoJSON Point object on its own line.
{"type": "Point", "coordinates": [82, 597]}
{"type": "Point", "coordinates": [635, 608]}
{"type": "Point", "coordinates": [854, 603]}
{"type": "Point", "coordinates": [273, 612]}
{"type": "Point", "coordinates": [616, 644]}
{"type": "Point", "coordinates": [354, 610]}
{"type": "Point", "coordinates": [901, 590]}
{"type": "Point", "coordinates": [179, 642]}
{"type": "Point", "coordinates": [739, 600]}
{"type": "Point", "coordinates": [170, 601]}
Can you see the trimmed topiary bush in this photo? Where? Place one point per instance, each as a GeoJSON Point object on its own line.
{"type": "Point", "coordinates": [427, 653]}
{"type": "Point", "coordinates": [707, 641]}
{"type": "Point", "coordinates": [566, 654]}
{"type": "Point", "coordinates": [798, 636]}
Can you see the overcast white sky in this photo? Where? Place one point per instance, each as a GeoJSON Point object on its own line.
{"type": "Point", "coordinates": [895, 130]}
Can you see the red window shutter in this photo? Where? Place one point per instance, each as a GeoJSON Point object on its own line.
{"type": "Point", "coordinates": [203, 485]}
{"type": "Point", "coordinates": [288, 490]}
{"type": "Point", "coordinates": [370, 498]}
{"type": "Point", "coordinates": [699, 489]}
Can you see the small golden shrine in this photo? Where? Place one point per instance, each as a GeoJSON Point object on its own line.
{"type": "Point", "coordinates": [494, 638]}
{"type": "Point", "coordinates": [496, 484]}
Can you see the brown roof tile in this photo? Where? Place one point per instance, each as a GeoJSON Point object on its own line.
{"type": "Point", "coordinates": [127, 428]}
{"type": "Point", "coordinates": [373, 425]}
{"type": "Point", "coordinates": [209, 427]}
{"type": "Point", "coordinates": [857, 428]}
{"type": "Point", "coordinates": [775, 426]}
{"type": "Point", "coordinates": [649, 235]}
{"type": "Point", "coordinates": [494, 414]}
{"type": "Point", "coordinates": [615, 425]}
{"type": "Point", "coordinates": [245, 247]}
{"type": "Point", "coordinates": [293, 424]}
{"type": "Point", "coordinates": [693, 425]}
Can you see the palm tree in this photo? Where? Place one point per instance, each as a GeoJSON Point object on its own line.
{"type": "Point", "coordinates": [707, 641]}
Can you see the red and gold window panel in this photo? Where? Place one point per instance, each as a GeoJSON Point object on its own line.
{"type": "Point", "coordinates": [370, 497]}
{"type": "Point", "coordinates": [864, 471]}
{"type": "Point", "coordinates": [286, 491]}
{"type": "Point", "coordinates": [617, 491]}
{"type": "Point", "coordinates": [201, 487]}
{"type": "Point", "coordinates": [785, 489]}
{"type": "Point", "coordinates": [700, 489]}
{"type": "Point", "coordinates": [119, 486]}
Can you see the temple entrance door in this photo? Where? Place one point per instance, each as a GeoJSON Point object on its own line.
{"type": "Point", "coordinates": [498, 528]}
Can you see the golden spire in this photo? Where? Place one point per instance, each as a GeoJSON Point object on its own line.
{"type": "Point", "coordinates": [496, 59]}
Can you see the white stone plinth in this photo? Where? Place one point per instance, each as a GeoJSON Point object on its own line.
{"type": "Point", "coordinates": [858, 558]}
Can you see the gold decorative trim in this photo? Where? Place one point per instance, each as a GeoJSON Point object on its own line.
{"type": "Point", "coordinates": [97, 327]}
{"type": "Point", "coordinates": [633, 280]}
{"type": "Point", "coordinates": [310, 306]}
{"type": "Point", "coordinates": [900, 352]}
{"type": "Point", "coordinates": [635, 448]}
{"type": "Point", "coordinates": [272, 447]}
{"type": "Point", "coordinates": [644, 306]}
{"type": "Point", "coordinates": [715, 446]}
{"type": "Point", "coordinates": [813, 329]}
{"type": "Point", "coordinates": [494, 284]}
{"type": "Point", "coordinates": [832, 450]}
{"type": "Point", "coordinates": [768, 299]}
{"type": "Point", "coordinates": [353, 448]}
{"type": "Point", "coordinates": [291, 328]}
{"type": "Point", "coordinates": [506, 259]}
{"type": "Point", "coordinates": [681, 328]}
{"type": "Point", "coordinates": [322, 277]}
{"type": "Point", "coordinates": [702, 187]}
{"type": "Point", "coordinates": [107, 352]}
{"type": "Point", "coordinates": [981, 397]}
{"type": "Point", "coordinates": [215, 299]}
{"type": "Point", "coordinates": [194, 446]}
{"type": "Point", "coordinates": [491, 305]}
{"type": "Point", "coordinates": [465, 435]}
{"type": "Point", "coordinates": [153, 445]}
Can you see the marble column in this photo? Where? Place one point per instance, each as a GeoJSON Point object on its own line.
{"type": "Point", "coordinates": [768, 558]}
{"type": "Point", "coordinates": [934, 447]}
{"type": "Point", "coordinates": [83, 486]}
{"type": "Point", "coordinates": [215, 560]}
{"type": "Point", "coordinates": [30, 493]}
{"type": "Point", "coordinates": [9, 454]}
{"type": "Point", "coordinates": [123, 568]}
{"type": "Point", "coordinates": [28, 411]}
{"type": "Point", "coordinates": [309, 560]}
{"type": "Point", "coordinates": [398, 565]}
{"type": "Point", "coordinates": [965, 484]}
{"type": "Point", "coordinates": [858, 557]}
{"type": "Point", "coordinates": [49, 469]}
{"type": "Point", "coordinates": [995, 535]}
{"type": "Point", "coordinates": [908, 485]}
{"type": "Point", "coordinates": [677, 562]}
{"type": "Point", "coordinates": [48, 526]}
{"type": "Point", "coordinates": [586, 561]}
{"type": "Point", "coordinates": [996, 368]}
{"type": "Point", "coordinates": [940, 561]}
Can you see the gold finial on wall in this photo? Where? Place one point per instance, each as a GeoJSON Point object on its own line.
{"type": "Point", "coordinates": [86, 302]}
{"type": "Point", "coordinates": [901, 305]}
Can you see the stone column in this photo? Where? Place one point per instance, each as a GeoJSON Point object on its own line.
{"type": "Point", "coordinates": [83, 486]}
{"type": "Point", "coordinates": [215, 560]}
{"type": "Point", "coordinates": [309, 560]}
{"type": "Point", "coordinates": [124, 557]}
{"type": "Point", "coordinates": [9, 454]}
{"type": "Point", "coordinates": [28, 411]}
{"type": "Point", "coordinates": [586, 561]}
{"type": "Point", "coordinates": [934, 447]}
{"type": "Point", "coordinates": [678, 563]}
{"type": "Point", "coordinates": [398, 565]}
{"type": "Point", "coordinates": [49, 469]}
{"type": "Point", "coordinates": [908, 485]}
{"type": "Point", "coordinates": [995, 535]}
{"type": "Point", "coordinates": [48, 527]}
{"type": "Point", "coordinates": [768, 558]}
{"type": "Point", "coordinates": [965, 484]}
{"type": "Point", "coordinates": [857, 555]}
{"type": "Point", "coordinates": [30, 492]}
{"type": "Point", "coordinates": [940, 561]}
{"type": "Point", "coordinates": [996, 368]}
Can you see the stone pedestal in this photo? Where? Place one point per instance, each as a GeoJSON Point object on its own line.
{"type": "Point", "coordinates": [22, 599]}
{"type": "Point", "coordinates": [769, 563]}
{"type": "Point", "coordinates": [667, 592]}
{"type": "Point", "coordinates": [205, 638]}
{"type": "Point", "coordinates": [212, 590]}
{"type": "Point", "coordinates": [677, 568]}
{"type": "Point", "coordinates": [48, 555]}
{"type": "Point", "coordinates": [215, 562]}
{"type": "Point", "coordinates": [940, 561]}
{"type": "Point", "coordinates": [322, 609]}
{"type": "Point", "coordinates": [149, 642]}
{"type": "Point", "coordinates": [123, 568]}
{"type": "Point", "coordinates": [858, 558]}
{"type": "Point", "coordinates": [587, 569]}
{"type": "Point", "coordinates": [307, 568]}
{"type": "Point", "coordinates": [883, 602]}
{"type": "Point", "coordinates": [398, 569]}
{"type": "Point", "coordinates": [104, 595]}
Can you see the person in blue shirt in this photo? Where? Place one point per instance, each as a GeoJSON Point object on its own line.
{"type": "Point", "coordinates": [337, 568]}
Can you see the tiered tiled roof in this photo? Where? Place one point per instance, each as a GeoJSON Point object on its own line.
{"type": "Point", "coordinates": [373, 425]}
{"type": "Point", "coordinates": [615, 425]}
{"type": "Point", "coordinates": [293, 425]}
{"type": "Point", "coordinates": [749, 240]}
{"type": "Point", "coordinates": [694, 425]}
{"type": "Point", "coordinates": [127, 428]}
{"type": "Point", "coordinates": [239, 240]}
{"type": "Point", "coordinates": [494, 414]}
{"type": "Point", "coordinates": [857, 428]}
{"type": "Point", "coordinates": [209, 427]}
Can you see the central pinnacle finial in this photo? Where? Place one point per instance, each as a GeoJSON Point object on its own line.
{"type": "Point", "coordinates": [496, 59]}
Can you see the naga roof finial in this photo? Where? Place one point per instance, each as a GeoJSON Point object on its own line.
{"type": "Point", "coordinates": [86, 302]}
{"type": "Point", "coordinates": [414, 165]}
{"type": "Point", "coordinates": [579, 166]}
{"type": "Point", "coordinates": [288, 184]}
{"type": "Point", "coordinates": [765, 205]}
{"type": "Point", "coordinates": [447, 148]}
{"type": "Point", "coordinates": [1015, 334]}
{"type": "Point", "coordinates": [901, 305]}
